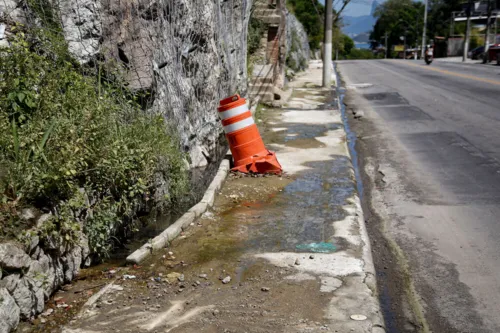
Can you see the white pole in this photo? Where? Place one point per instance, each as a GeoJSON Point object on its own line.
{"type": "Point", "coordinates": [327, 54]}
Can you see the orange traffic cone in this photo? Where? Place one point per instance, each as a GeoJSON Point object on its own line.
{"type": "Point", "coordinates": [247, 147]}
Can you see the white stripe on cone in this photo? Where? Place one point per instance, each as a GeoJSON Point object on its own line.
{"type": "Point", "coordinates": [233, 112]}
{"type": "Point", "coordinates": [239, 125]}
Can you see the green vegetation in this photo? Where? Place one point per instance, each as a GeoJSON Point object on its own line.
{"type": "Point", "coordinates": [348, 45]}
{"type": "Point", "coordinates": [310, 13]}
{"type": "Point", "coordinates": [77, 145]}
{"type": "Point", "coordinates": [256, 30]}
{"type": "Point", "coordinates": [347, 49]}
{"type": "Point", "coordinates": [360, 54]}
{"type": "Point", "coordinates": [405, 17]}
{"type": "Point", "coordinates": [290, 61]}
{"type": "Point", "coordinates": [399, 18]}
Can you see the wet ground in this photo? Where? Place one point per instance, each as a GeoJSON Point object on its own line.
{"type": "Point", "coordinates": [276, 254]}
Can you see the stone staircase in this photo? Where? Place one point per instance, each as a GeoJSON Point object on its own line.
{"type": "Point", "coordinates": [262, 84]}
{"type": "Point", "coordinates": [265, 11]}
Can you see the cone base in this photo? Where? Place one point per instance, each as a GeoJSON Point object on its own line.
{"type": "Point", "coordinates": [261, 164]}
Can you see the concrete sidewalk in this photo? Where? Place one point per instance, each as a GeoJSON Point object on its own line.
{"type": "Point", "coordinates": [277, 254]}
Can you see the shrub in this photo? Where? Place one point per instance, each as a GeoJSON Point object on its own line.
{"type": "Point", "coordinates": [64, 132]}
{"type": "Point", "coordinates": [361, 54]}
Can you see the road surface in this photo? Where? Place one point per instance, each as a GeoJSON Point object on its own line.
{"type": "Point", "coordinates": [429, 141]}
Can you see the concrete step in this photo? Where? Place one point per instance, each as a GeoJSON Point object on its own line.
{"type": "Point", "coordinates": [261, 5]}
{"type": "Point", "coordinates": [273, 20]}
{"type": "Point", "coordinates": [261, 88]}
{"type": "Point", "coordinates": [261, 80]}
{"type": "Point", "coordinates": [264, 97]}
{"type": "Point", "coordinates": [260, 13]}
{"type": "Point", "coordinates": [262, 70]}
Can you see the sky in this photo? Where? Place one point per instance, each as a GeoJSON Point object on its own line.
{"type": "Point", "coordinates": [357, 7]}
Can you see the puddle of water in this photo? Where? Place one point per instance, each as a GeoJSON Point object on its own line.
{"type": "Point", "coordinates": [317, 247]}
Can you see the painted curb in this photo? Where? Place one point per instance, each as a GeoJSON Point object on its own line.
{"type": "Point", "coordinates": [174, 230]}
{"type": "Point", "coordinates": [369, 266]}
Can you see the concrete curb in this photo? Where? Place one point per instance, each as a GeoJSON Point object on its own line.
{"type": "Point", "coordinates": [191, 215]}
{"type": "Point", "coordinates": [369, 266]}
{"type": "Point", "coordinates": [185, 220]}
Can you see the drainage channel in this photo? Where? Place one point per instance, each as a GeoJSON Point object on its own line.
{"type": "Point", "coordinates": [351, 136]}
{"type": "Point", "coordinates": [384, 295]}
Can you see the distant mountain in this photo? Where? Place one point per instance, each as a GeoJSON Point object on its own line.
{"type": "Point", "coordinates": [355, 25]}
{"type": "Point", "coordinates": [362, 38]}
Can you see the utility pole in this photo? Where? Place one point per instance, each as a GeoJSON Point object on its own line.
{"type": "Point", "coordinates": [327, 54]}
{"type": "Point", "coordinates": [467, 32]}
{"type": "Point", "coordinates": [386, 46]}
{"type": "Point", "coordinates": [424, 33]}
{"type": "Point", "coordinates": [487, 37]}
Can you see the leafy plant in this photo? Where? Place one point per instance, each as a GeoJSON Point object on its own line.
{"type": "Point", "coordinates": [310, 13]}
{"type": "Point", "coordinates": [64, 132]}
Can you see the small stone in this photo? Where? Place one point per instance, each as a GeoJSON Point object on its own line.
{"type": "Point", "coordinates": [174, 276]}
{"type": "Point", "coordinates": [43, 320]}
{"type": "Point", "coordinates": [226, 280]}
{"type": "Point", "coordinates": [311, 256]}
{"type": "Point", "coordinates": [359, 114]}
{"type": "Point", "coordinates": [297, 261]}
{"type": "Point", "coordinates": [266, 289]}
{"type": "Point", "coordinates": [216, 313]}
{"type": "Point", "coordinates": [203, 276]}
{"type": "Point", "coordinates": [358, 317]}
{"type": "Point", "coordinates": [170, 253]}
{"type": "Point", "coordinates": [48, 312]}
{"type": "Point", "coordinates": [181, 278]}
{"type": "Point", "coordinates": [28, 214]}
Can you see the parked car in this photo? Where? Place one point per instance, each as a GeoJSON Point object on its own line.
{"type": "Point", "coordinates": [477, 53]}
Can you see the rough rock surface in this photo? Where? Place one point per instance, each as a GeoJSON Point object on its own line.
{"type": "Point", "coordinates": [298, 52]}
{"type": "Point", "coordinates": [13, 258]}
{"type": "Point", "coordinates": [186, 54]}
{"type": "Point", "coordinates": [9, 312]}
{"type": "Point", "coordinates": [31, 275]}
{"type": "Point", "coordinates": [183, 55]}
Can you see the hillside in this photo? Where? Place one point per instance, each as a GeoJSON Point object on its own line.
{"type": "Point", "coordinates": [355, 25]}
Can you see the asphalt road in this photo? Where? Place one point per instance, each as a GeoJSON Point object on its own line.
{"type": "Point", "coordinates": [431, 136]}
